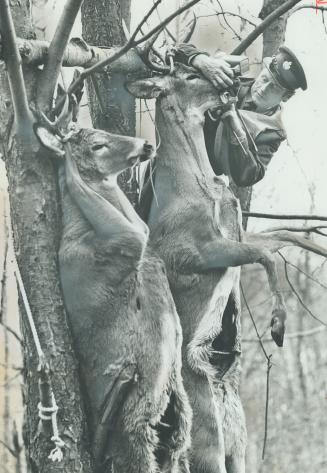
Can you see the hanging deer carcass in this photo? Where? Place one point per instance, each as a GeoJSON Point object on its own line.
{"type": "Point", "coordinates": [195, 226]}
{"type": "Point", "coordinates": [124, 323]}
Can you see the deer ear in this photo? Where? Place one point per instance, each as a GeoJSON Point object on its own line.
{"type": "Point", "coordinates": [145, 88]}
{"type": "Point", "coordinates": [49, 140]}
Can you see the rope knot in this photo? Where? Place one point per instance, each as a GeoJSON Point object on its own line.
{"type": "Point", "coordinates": [50, 413]}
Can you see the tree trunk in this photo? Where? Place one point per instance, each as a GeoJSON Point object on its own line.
{"type": "Point", "coordinates": [112, 107]}
{"type": "Point", "coordinates": [274, 35]}
{"type": "Point", "coordinates": [36, 226]}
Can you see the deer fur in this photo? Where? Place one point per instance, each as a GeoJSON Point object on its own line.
{"type": "Point", "coordinates": [195, 226]}
{"type": "Point", "coordinates": [123, 319]}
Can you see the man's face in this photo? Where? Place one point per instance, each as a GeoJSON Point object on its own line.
{"type": "Point", "coordinates": [267, 93]}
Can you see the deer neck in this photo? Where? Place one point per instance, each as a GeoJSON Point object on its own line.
{"type": "Point", "coordinates": [74, 222]}
{"type": "Point", "coordinates": [182, 156]}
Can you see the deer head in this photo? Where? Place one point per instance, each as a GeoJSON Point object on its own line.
{"type": "Point", "coordinates": [186, 84]}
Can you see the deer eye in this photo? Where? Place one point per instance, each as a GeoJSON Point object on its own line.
{"type": "Point", "coordinates": [97, 147]}
{"type": "Point", "coordinates": [193, 77]}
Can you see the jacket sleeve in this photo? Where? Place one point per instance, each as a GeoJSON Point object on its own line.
{"type": "Point", "coordinates": [248, 167]}
{"type": "Point", "coordinates": [184, 53]}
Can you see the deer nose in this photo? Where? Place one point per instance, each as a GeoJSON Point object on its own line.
{"type": "Point", "coordinates": [147, 151]}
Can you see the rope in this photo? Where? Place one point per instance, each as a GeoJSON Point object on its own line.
{"type": "Point", "coordinates": [45, 413]}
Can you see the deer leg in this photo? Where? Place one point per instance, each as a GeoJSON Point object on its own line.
{"type": "Point", "coordinates": [121, 377]}
{"type": "Point", "coordinates": [181, 436]}
{"type": "Point", "coordinates": [207, 453]}
{"type": "Point", "coordinates": [235, 464]}
{"type": "Point", "coordinates": [133, 450]}
{"type": "Point", "coordinates": [257, 248]}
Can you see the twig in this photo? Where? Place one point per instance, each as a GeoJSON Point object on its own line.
{"type": "Point", "coordinates": [286, 6]}
{"type": "Point", "coordinates": [10, 380]}
{"type": "Point", "coordinates": [322, 218]}
{"type": "Point", "coordinates": [301, 334]}
{"type": "Point", "coordinates": [12, 367]}
{"type": "Point", "coordinates": [8, 448]}
{"type": "Point", "coordinates": [10, 330]}
{"type": "Point", "coordinates": [51, 71]}
{"type": "Point", "coordinates": [254, 324]}
{"type": "Point", "coordinates": [131, 43]}
{"type": "Point", "coordinates": [297, 294]}
{"type": "Point", "coordinates": [13, 63]}
{"type": "Point", "coordinates": [316, 229]}
{"type": "Point", "coordinates": [305, 274]}
{"type": "Point", "coordinates": [269, 366]}
{"type": "Point", "coordinates": [227, 22]}
{"type": "Point", "coordinates": [3, 280]}
{"type": "Point", "coordinates": [301, 7]}
{"type": "Point", "coordinates": [229, 14]}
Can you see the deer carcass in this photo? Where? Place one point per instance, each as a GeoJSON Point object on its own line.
{"type": "Point", "coordinates": [123, 319]}
{"type": "Point", "coordinates": [195, 226]}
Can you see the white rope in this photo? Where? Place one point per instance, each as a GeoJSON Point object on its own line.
{"type": "Point", "coordinates": [29, 314]}
{"type": "Point", "coordinates": [45, 413]}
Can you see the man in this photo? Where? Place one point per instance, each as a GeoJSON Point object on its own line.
{"type": "Point", "coordinates": [240, 143]}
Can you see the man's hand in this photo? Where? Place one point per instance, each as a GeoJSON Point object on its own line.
{"type": "Point", "coordinates": [217, 70]}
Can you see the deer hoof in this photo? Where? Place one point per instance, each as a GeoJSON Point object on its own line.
{"type": "Point", "coordinates": [277, 330]}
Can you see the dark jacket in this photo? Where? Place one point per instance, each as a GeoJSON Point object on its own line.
{"type": "Point", "coordinates": [225, 154]}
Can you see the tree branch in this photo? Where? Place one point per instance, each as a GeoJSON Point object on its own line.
{"type": "Point", "coordinates": [228, 13]}
{"type": "Point", "coordinates": [13, 333]}
{"type": "Point", "coordinates": [301, 334]}
{"type": "Point", "coordinates": [227, 22]}
{"type": "Point", "coordinates": [8, 448]}
{"type": "Point", "coordinates": [301, 7]}
{"type": "Point", "coordinates": [315, 229]}
{"type": "Point", "coordinates": [305, 273]}
{"type": "Point", "coordinates": [131, 43]}
{"type": "Point", "coordinates": [13, 63]}
{"type": "Point", "coordinates": [263, 25]}
{"type": "Point", "coordinates": [50, 73]}
{"type": "Point", "coordinates": [305, 307]}
{"type": "Point", "coordinates": [284, 216]}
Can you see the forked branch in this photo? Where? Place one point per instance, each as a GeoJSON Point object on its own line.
{"type": "Point", "coordinates": [263, 25]}
{"type": "Point", "coordinates": [131, 43]}
{"type": "Point", "coordinates": [12, 59]}
{"type": "Point", "coordinates": [50, 74]}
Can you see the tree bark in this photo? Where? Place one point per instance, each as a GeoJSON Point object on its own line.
{"type": "Point", "coordinates": [36, 227]}
{"type": "Point", "coordinates": [274, 35]}
{"type": "Point", "coordinates": [112, 107]}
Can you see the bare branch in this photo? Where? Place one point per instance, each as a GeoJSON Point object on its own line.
{"type": "Point", "coordinates": [13, 333]}
{"type": "Point", "coordinates": [12, 367]}
{"type": "Point", "coordinates": [284, 216]}
{"type": "Point", "coordinates": [228, 13]}
{"type": "Point", "coordinates": [263, 25]}
{"type": "Point", "coordinates": [10, 380]}
{"type": "Point", "coordinates": [12, 59]}
{"type": "Point", "coordinates": [131, 43]}
{"type": "Point", "coordinates": [269, 366]}
{"type": "Point", "coordinates": [50, 74]}
{"type": "Point", "coordinates": [8, 448]}
{"type": "Point", "coordinates": [305, 307]}
{"type": "Point", "coordinates": [302, 334]}
{"type": "Point", "coordinates": [305, 274]}
{"type": "Point", "coordinates": [315, 229]}
{"type": "Point", "coordinates": [254, 325]}
{"type": "Point", "coordinates": [227, 22]}
{"type": "Point", "coordinates": [301, 7]}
